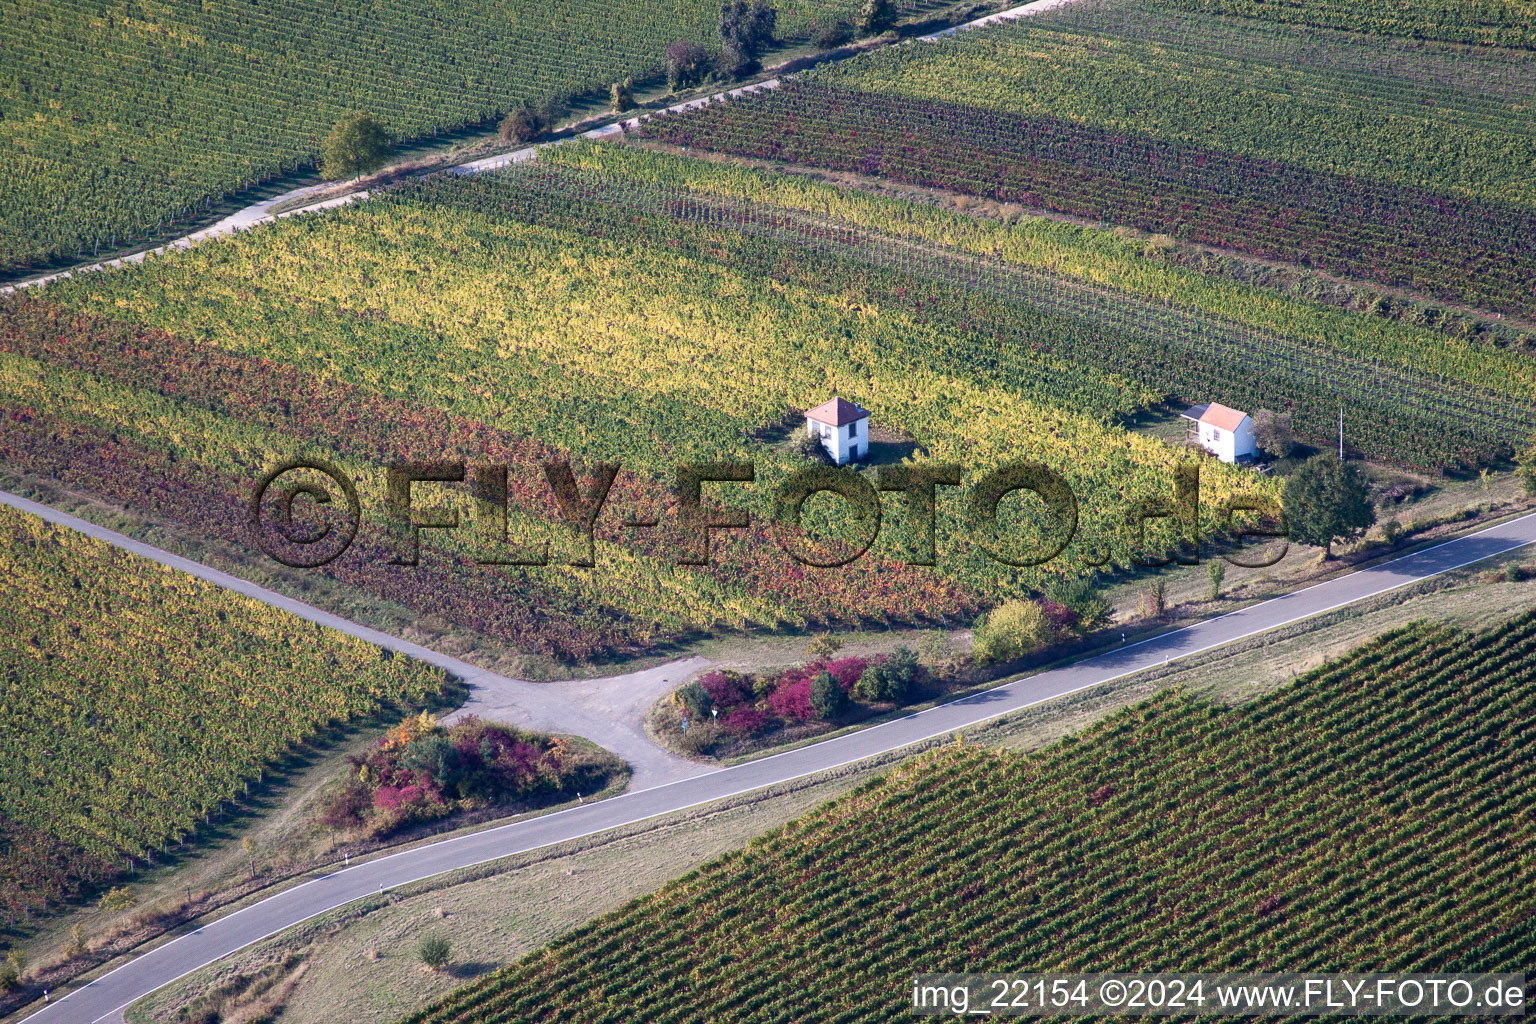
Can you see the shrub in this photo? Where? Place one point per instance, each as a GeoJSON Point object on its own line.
{"type": "Point", "coordinates": [831, 35]}
{"type": "Point", "coordinates": [9, 977]}
{"type": "Point", "coordinates": [934, 646]}
{"type": "Point", "coordinates": [725, 689]}
{"type": "Point", "coordinates": [421, 771]}
{"type": "Point", "coordinates": [433, 950]}
{"type": "Point", "coordinates": [827, 697]}
{"type": "Point", "coordinates": [1010, 631]}
{"type": "Point", "coordinates": [1058, 615]}
{"type": "Point", "coordinates": [701, 736]}
{"type": "Point", "coordinates": [822, 645]}
{"type": "Point", "coordinates": [1526, 458]}
{"type": "Point", "coordinates": [1513, 573]}
{"type": "Point", "coordinates": [1392, 530]}
{"type": "Point", "coordinates": [744, 721]}
{"type": "Point", "coordinates": [622, 95]}
{"type": "Point", "coordinates": [347, 808]}
{"type": "Point", "coordinates": [116, 899]}
{"type": "Point", "coordinates": [1273, 434]}
{"type": "Point", "coordinates": [791, 701]}
{"type": "Point", "coordinates": [846, 671]}
{"type": "Point", "coordinates": [1079, 596]}
{"type": "Point", "coordinates": [1216, 570]}
{"type": "Point", "coordinates": [696, 699]}
{"type": "Point", "coordinates": [890, 679]}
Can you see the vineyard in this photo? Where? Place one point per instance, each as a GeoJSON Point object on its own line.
{"type": "Point", "coordinates": [124, 122]}
{"type": "Point", "coordinates": [1376, 815]}
{"type": "Point", "coordinates": [1510, 23]}
{"type": "Point", "coordinates": [1406, 164]}
{"type": "Point", "coordinates": [124, 728]}
{"type": "Point", "coordinates": [609, 303]}
{"type": "Point", "coordinates": [453, 327]}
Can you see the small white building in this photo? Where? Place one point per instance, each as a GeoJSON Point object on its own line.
{"type": "Point", "coordinates": [842, 427]}
{"type": "Point", "coordinates": [1225, 433]}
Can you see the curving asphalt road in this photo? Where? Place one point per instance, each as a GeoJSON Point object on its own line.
{"type": "Point", "coordinates": [110, 993]}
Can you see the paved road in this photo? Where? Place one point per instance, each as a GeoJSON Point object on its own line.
{"type": "Point", "coordinates": [547, 707]}
{"type": "Point", "coordinates": [108, 994]}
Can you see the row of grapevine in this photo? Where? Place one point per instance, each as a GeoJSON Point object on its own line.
{"type": "Point", "coordinates": [138, 699]}
{"type": "Point", "coordinates": [1510, 23]}
{"type": "Point", "coordinates": [1364, 818]}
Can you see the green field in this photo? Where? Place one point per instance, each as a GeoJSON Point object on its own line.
{"type": "Point", "coordinates": [123, 728]}
{"type": "Point", "coordinates": [1374, 815]}
{"type": "Point", "coordinates": [1405, 162]}
{"type": "Point", "coordinates": [125, 120]}
{"type": "Point", "coordinates": [1509, 23]}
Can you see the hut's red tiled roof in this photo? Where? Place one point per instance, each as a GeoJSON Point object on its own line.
{"type": "Point", "coordinates": [836, 412]}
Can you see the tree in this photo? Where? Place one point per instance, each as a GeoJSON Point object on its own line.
{"type": "Point", "coordinates": [876, 16]}
{"type": "Point", "coordinates": [827, 697]}
{"type": "Point", "coordinates": [117, 899]}
{"type": "Point", "coordinates": [622, 95]}
{"type": "Point", "coordinates": [1526, 458]}
{"type": "Point", "coordinates": [433, 950]}
{"type": "Point", "coordinates": [733, 64]}
{"type": "Point", "coordinates": [1327, 501]}
{"type": "Point", "coordinates": [1272, 433]}
{"type": "Point", "coordinates": [520, 125]}
{"type": "Point", "coordinates": [745, 30]}
{"type": "Point", "coordinates": [1009, 631]}
{"type": "Point", "coordinates": [249, 846]}
{"type": "Point", "coordinates": [747, 27]}
{"type": "Point", "coordinates": [1217, 571]}
{"type": "Point", "coordinates": [1157, 599]}
{"type": "Point", "coordinates": [355, 146]}
{"type": "Point", "coordinates": [687, 64]}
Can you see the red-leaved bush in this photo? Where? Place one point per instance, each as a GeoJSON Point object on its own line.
{"type": "Point", "coordinates": [726, 689]}
{"type": "Point", "coordinates": [792, 700]}
{"type": "Point", "coordinates": [846, 671]}
{"type": "Point", "coordinates": [421, 770]}
{"type": "Point", "coordinates": [744, 721]}
{"type": "Point", "coordinates": [1058, 615]}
